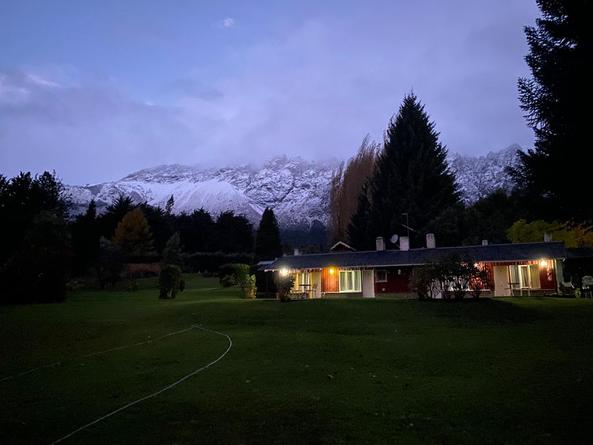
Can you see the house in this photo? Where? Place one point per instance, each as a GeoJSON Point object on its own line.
{"type": "Point", "coordinates": [514, 269]}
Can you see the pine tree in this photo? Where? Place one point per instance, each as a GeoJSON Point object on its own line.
{"type": "Point", "coordinates": [169, 206]}
{"type": "Point", "coordinates": [411, 175]}
{"type": "Point", "coordinates": [133, 235]}
{"type": "Point", "coordinates": [267, 239]}
{"type": "Point", "coordinates": [556, 98]}
{"type": "Point", "coordinates": [172, 251]}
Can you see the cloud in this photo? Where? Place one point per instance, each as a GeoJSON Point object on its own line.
{"type": "Point", "coordinates": [314, 91]}
{"type": "Point", "coordinates": [228, 22]}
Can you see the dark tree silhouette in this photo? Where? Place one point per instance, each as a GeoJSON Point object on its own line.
{"type": "Point", "coordinates": [411, 176]}
{"type": "Point", "coordinates": [556, 98]}
{"type": "Point", "coordinates": [267, 237]}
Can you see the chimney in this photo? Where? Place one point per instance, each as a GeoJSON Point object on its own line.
{"type": "Point", "coordinates": [380, 243]}
{"type": "Point", "coordinates": [547, 237]}
{"type": "Point", "coordinates": [484, 242]}
{"type": "Point", "coordinates": [296, 252]}
{"type": "Point", "coordinates": [404, 243]}
{"type": "Point", "coordinates": [430, 241]}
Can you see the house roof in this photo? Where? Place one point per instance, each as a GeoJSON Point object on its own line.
{"type": "Point", "coordinates": [416, 257]}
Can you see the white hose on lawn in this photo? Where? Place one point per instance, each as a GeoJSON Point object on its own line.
{"type": "Point", "coordinates": [93, 354]}
{"type": "Point", "coordinates": [160, 391]}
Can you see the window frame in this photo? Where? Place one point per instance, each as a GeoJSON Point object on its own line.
{"type": "Point", "coordinates": [384, 271]}
{"type": "Point", "coordinates": [356, 279]}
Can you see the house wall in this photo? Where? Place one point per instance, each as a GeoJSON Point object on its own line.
{"type": "Point", "coordinates": [398, 281]}
{"type": "Point", "coordinates": [368, 283]}
{"type": "Point", "coordinates": [330, 282]}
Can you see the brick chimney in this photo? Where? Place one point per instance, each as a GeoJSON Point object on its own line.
{"type": "Point", "coordinates": [547, 237]}
{"type": "Point", "coordinates": [404, 243]}
{"type": "Point", "coordinates": [431, 242]}
{"type": "Point", "coordinates": [380, 243]}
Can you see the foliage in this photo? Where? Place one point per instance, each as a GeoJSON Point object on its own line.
{"type": "Point", "coordinates": [39, 270]}
{"type": "Point", "coordinates": [360, 234]}
{"type": "Point", "coordinates": [448, 277]}
{"type": "Point", "coordinates": [234, 233]}
{"type": "Point", "coordinates": [284, 284]}
{"type": "Point", "coordinates": [85, 239]}
{"type": "Point", "coordinates": [170, 281]}
{"type": "Point", "coordinates": [172, 252]}
{"type": "Point", "coordinates": [267, 238]}
{"type": "Point", "coordinates": [248, 286]}
{"type": "Point", "coordinates": [232, 274]}
{"type": "Point", "coordinates": [133, 235]}
{"type": "Point", "coordinates": [110, 263]}
{"type": "Point", "coordinates": [411, 176]}
{"type": "Point", "coordinates": [35, 253]}
{"type": "Point", "coordinates": [346, 185]}
{"type": "Point", "coordinates": [553, 173]}
{"type": "Point", "coordinates": [169, 206]}
{"type": "Point", "coordinates": [573, 235]}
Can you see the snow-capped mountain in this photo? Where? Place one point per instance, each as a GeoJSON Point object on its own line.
{"type": "Point", "coordinates": [477, 176]}
{"type": "Point", "coordinates": [296, 189]}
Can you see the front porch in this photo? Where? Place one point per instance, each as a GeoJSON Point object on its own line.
{"type": "Point", "coordinates": [526, 278]}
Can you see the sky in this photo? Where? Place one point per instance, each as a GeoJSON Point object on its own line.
{"type": "Point", "coordinates": [97, 89]}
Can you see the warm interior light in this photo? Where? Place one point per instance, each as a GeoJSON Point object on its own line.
{"type": "Point", "coordinates": [332, 270]}
{"type": "Point", "coordinates": [543, 264]}
{"type": "Point", "coordinates": [284, 272]}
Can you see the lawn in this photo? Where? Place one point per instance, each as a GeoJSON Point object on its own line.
{"type": "Point", "coordinates": [331, 371]}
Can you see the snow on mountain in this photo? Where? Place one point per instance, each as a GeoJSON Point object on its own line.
{"type": "Point", "coordinates": [477, 176]}
{"type": "Point", "coordinates": [296, 189]}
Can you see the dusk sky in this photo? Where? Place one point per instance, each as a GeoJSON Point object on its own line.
{"type": "Point", "coordinates": [97, 89]}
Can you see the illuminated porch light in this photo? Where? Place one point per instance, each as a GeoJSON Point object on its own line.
{"type": "Point", "coordinates": [332, 270]}
{"type": "Point", "coordinates": [543, 264]}
{"type": "Point", "coordinates": [284, 272]}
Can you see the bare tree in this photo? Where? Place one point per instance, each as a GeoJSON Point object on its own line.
{"type": "Point", "coordinates": [346, 185]}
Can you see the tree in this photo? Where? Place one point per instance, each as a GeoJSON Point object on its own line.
{"type": "Point", "coordinates": [85, 239]}
{"type": "Point", "coordinates": [267, 237]}
{"type": "Point", "coordinates": [555, 98]}
{"type": "Point", "coordinates": [172, 251]}
{"type": "Point", "coordinates": [411, 175]}
{"type": "Point", "coordinates": [573, 235]}
{"type": "Point", "coordinates": [346, 185]}
{"type": "Point", "coordinates": [169, 206]}
{"type": "Point", "coordinates": [110, 263]}
{"type": "Point", "coordinates": [133, 235]}
{"type": "Point", "coordinates": [197, 231]}
{"type": "Point", "coordinates": [359, 233]}
{"type": "Point", "coordinates": [39, 270]}
{"type": "Point", "coordinates": [170, 281]}
{"type": "Point", "coordinates": [234, 233]}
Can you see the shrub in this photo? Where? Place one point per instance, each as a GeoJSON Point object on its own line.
{"type": "Point", "coordinates": [284, 284]}
{"type": "Point", "coordinates": [170, 281]}
{"type": "Point", "coordinates": [232, 274]}
{"type": "Point", "coordinates": [248, 287]}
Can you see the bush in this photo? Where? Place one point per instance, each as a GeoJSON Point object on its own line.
{"type": "Point", "coordinates": [284, 284]}
{"type": "Point", "coordinates": [170, 281]}
{"type": "Point", "coordinates": [232, 274]}
{"type": "Point", "coordinates": [248, 287]}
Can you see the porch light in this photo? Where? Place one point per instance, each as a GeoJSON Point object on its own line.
{"type": "Point", "coordinates": [284, 272]}
{"type": "Point", "coordinates": [332, 270]}
{"type": "Point", "coordinates": [543, 264]}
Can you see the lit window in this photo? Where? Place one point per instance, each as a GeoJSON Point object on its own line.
{"type": "Point", "coordinates": [381, 276]}
{"type": "Point", "coordinates": [350, 281]}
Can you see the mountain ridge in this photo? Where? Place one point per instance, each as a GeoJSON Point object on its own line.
{"type": "Point", "coordinates": [297, 189]}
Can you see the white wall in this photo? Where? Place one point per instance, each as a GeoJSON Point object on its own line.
{"type": "Point", "coordinates": [368, 283]}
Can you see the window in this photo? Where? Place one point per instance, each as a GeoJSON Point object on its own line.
{"type": "Point", "coordinates": [381, 276]}
{"type": "Point", "coordinates": [350, 281]}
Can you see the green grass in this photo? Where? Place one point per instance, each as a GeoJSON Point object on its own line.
{"type": "Point", "coordinates": [352, 371]}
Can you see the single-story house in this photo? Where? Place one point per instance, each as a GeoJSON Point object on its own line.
{"type": "Point", "coordinates": [514, 269]}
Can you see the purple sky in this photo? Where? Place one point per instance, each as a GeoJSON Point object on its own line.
{"type": "Point", "coordinates": [95, 90]}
